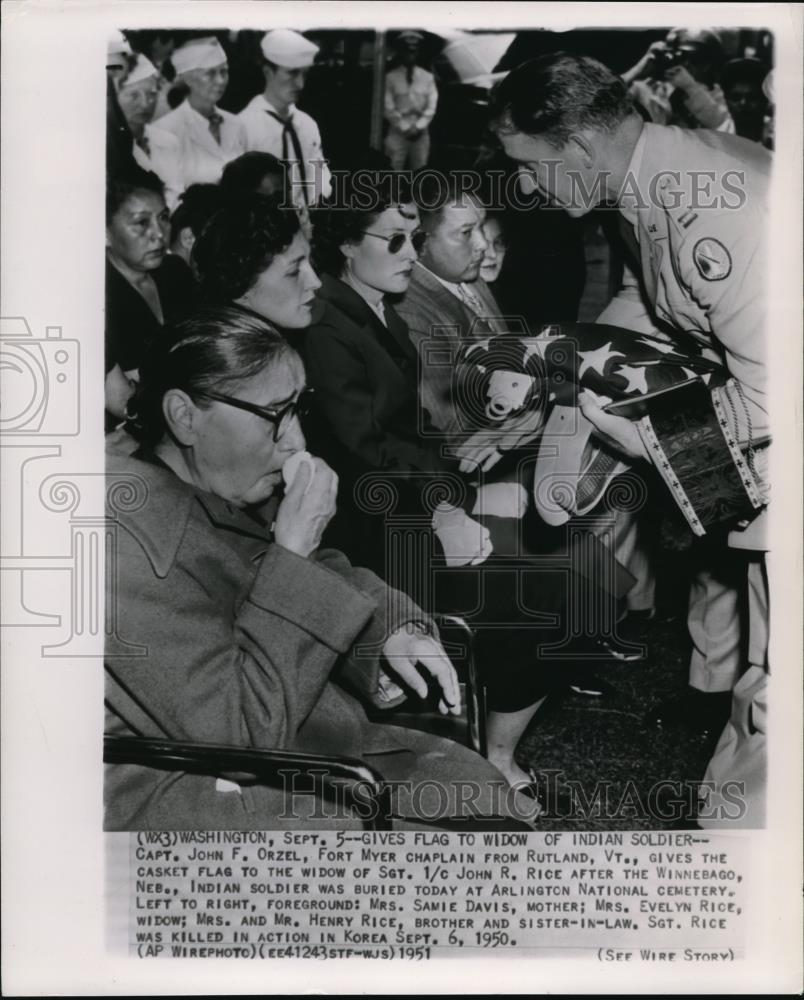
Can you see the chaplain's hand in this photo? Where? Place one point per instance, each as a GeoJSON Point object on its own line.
{"type": "Point", "coordinates": [406, 648]}
{"type": "Point", "coordinates": [618, 432]}
{"type": "Point", "coordinates": [307, 508]}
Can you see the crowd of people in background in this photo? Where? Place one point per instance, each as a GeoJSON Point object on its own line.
{"type": "Point", "coordinates": [227, 219]}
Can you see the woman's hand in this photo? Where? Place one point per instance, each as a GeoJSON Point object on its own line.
{"type": "Point", "coordinates": [464, 541]}
{"type": "Point", "coordinates": [618, 432]}
{"type": "Point", "coordinates": [405, 648]}
{"type": "Point", "coordinates": [483, 449]}
{"type": "Point", "coordinates": [304, 513]}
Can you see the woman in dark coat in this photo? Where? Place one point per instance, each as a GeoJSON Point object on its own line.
{"type": "Point", "coordinates": [146, 287]}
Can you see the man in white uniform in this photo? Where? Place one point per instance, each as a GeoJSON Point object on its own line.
{"type": "Point", "coordinates": [696, 206]}
{"type": "Point", "coordinates": [275, 125]}
{"type": "Point", "coordinates": [411, 99]}
{"type": "Point", "coordinates": [208, 136]}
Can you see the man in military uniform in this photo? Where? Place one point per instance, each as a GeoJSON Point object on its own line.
{"type": "Point", "coordinates": [694, 209]}
{"type": "Point", "coordinates": [275, 125]}
{"type": "Point", "coordinates": [411, 99]}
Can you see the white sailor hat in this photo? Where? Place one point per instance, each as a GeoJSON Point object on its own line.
{"type": "Point", "coordinates": [288, 49]}
{"type": "Point", "coordinates": [143, 70]}
{"type": "Point", "coordinates": [199, 53]}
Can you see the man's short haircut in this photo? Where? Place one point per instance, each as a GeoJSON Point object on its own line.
{"type": "Point", "coordinates": [556, 95]}
{"type": "Point", "coordinates": [245, 174]}
{"type": "Point", "coordinates": [435, 190]}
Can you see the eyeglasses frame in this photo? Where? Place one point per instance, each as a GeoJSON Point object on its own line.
{"type": "Point", "coordinates": [409, 237]}
{"type": "Point", "coordinates": [296, 407]}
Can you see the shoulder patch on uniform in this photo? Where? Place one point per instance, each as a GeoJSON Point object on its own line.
{"type": "Point", "coordinates": [712, 259]}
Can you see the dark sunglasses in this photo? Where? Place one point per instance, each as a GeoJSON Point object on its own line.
{"type": "Point", "coordinates": [397, 241]}
{"type": "Point", "coordinates": [280, 417]}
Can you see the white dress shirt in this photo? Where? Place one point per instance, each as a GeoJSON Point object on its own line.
{"type": "Point", "coordinates": [264, 133]}
{"type": "Point", "coordinates": [202, 157]}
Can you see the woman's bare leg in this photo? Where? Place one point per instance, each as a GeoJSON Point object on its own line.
{"type": "Point", "coordinates": [504, 731]}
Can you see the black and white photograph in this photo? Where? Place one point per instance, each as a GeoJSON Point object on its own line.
{"type": "Point", "coordinates": [427, 584]}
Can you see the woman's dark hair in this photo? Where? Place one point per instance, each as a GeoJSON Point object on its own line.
{"type": "Point", "coordinates": [197, 204]}
{"type": "Point", "coordinates": [212, 350]}
{"type": "Point", "coordinates": [357, 199]}
{"type": "Point", "coordinates": [120, 187]}
{"type": "Point", "coordinates": [558, 94]}
{"type": "Point", "coordinates": [238, 244]}
{"type": "Point", "coordinates": [245, 174]}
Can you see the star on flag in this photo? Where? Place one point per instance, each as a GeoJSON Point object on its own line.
{"type": "Point", "coordinates": [596, 360]}
{"type": "Point", "coordinates": [636, 378]}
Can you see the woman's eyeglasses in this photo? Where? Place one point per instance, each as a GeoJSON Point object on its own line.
{"type": "Point", "coordinates": [397, 241]}
{"type": "Point", "coordinates": [280, 417]}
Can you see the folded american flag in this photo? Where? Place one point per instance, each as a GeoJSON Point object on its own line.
{"type": "Point", "coordinates": [509, 385]}
{"type": "Point", "coordinates": [504, 375]}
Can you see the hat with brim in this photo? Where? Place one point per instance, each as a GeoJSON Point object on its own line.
{"type": "Point", "coordinates": [573, 470]}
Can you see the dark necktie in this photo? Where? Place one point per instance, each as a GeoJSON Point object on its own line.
{"type": "Point", "coordinates": [289, 133]}
{"type": "Point", "coordinates": [144, 145]}
{"type": "Point", "coordinates": [215, 121]}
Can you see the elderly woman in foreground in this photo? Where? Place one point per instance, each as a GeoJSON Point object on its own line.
{"type": "Point", "coordinates": [245, 623]}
